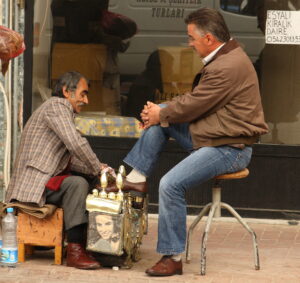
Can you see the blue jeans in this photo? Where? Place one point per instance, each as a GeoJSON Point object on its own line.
{"type": "Point", "coordinates": [201, 165]}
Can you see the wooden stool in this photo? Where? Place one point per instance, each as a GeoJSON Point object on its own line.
{"type": "Point", "coordinates": [214, 209]}
{"type": "Point", "coordinates": [33, 231]}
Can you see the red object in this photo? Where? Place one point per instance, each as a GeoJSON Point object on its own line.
{"type": "Point", "coordinates": [165, 267]}
{"type": "Point", "coordinates": [78, 257]}
{"type": "Point", "coordinates": [54, 183]}
{"type": "Point", "coordinates": [11, 46]}
{"type": "Point", "coordinates": [118, 25]}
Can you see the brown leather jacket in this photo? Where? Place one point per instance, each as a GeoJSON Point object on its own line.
{"type": "Point", "coordinates": [224, 107]}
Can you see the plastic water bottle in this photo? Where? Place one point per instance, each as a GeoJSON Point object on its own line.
{"type": "Point", "coordinates": [9, 252]}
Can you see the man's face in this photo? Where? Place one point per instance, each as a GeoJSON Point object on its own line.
{"type": "Point", "coordinates": [78, 98]}
{"type": "Point", "coordinates": [198, 42]}
{"type": "Point", "coordinates": [105, 226]}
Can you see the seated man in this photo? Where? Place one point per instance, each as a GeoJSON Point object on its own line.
{"type": "Point", "coordinates": [217, 122]}
{"type": "Point", "coordinates": [50, 149]}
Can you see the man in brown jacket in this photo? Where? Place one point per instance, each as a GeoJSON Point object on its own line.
{"type": "Point", "coordinates": [50, 149]}
{"type": "Point", "coordinates": [217, 122]}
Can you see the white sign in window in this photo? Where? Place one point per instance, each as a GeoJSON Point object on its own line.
{"type": "Point", "coordinates": [282, 27]}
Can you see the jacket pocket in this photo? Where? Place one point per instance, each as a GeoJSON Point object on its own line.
{"type": "Point", "coordinates": [39, 165]}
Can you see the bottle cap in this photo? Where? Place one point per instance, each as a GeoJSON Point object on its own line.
{"type": "Point", "coordinates": [10, 209]}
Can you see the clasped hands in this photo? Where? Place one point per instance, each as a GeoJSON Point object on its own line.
{"type": "Point", "coordinates": [150, 115]}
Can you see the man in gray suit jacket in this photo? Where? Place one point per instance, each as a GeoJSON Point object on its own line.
{"type": "Point", "coordinates": [50, 149]}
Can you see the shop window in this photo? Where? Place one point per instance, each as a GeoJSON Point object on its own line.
{"type": "Point", "coordinates": [97, 38]}
{"type": "Point", "coordinates": [126, 69]}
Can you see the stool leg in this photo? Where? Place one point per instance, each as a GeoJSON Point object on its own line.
{"type": "Point", "coordinates": [216, 198]}
{"type": "Point", "coordinates": [254, 238]}
{"type": "Point", "coordinates": [21, 252]}
{"type": "Point", "coordinates": [205, 237]}
{"type": "Point", "coordinates": [58, 255]}
{"type": "Point", "coordinates": [191, 229]}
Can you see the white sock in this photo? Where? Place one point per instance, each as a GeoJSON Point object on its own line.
{"type": "Point", "coordinates": [135, 177]}
{"type": "Point", "coordinates": [176, 257]}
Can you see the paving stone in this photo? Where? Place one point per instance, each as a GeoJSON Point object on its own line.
{"type": "Point", "coordinates": [229, 259]}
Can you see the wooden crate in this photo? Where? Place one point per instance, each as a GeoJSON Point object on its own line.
{"type": "Point", "coordinates": [33, 231]}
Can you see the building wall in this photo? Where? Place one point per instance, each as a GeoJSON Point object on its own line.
{"type": "Point", "coordinates": [12, 16]}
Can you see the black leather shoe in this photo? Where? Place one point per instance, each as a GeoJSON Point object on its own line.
{"type": "Point", "coordinates": [166, 266]}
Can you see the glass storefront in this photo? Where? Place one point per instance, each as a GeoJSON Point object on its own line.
{"type": "Point", "coordinates": [136, 50]}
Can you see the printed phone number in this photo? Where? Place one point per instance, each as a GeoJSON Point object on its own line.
{"type": "Point", "coordinates": [284, 39]}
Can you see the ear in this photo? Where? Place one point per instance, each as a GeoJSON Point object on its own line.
{"type": "Point", "coordinates": [211, 40]}
{"type": "Point", "coordinates": [65, 92]}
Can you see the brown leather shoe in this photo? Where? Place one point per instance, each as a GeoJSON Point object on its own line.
{"type": "Point", "coordinates": [165, 267]}
{"type": "Point", "coordinates": [78, 257]}
{"type": "Point", "coordinates": [139, 189]}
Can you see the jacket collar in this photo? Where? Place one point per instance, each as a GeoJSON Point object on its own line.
{"type": "Point", "coordinates": [65, 102]}
{"type": "Point", "coordinates": [228, 47]}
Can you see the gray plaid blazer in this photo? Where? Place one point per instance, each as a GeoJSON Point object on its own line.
{"type": "Point", "coordinates": [49, 141]}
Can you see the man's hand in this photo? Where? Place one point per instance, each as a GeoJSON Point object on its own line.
{"type": "Point", "coordinates": [150, 114]}
{"type": "Point", "coordinates": [106, 169]}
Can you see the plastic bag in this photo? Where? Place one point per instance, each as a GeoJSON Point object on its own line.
{"type": "Point", "coordinates": [11, 46]}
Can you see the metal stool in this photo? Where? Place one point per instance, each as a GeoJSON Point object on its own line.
{"type": "Point", "coordinates": [33, 231]}
{"type": "Point", "coordinates": [214, 209]}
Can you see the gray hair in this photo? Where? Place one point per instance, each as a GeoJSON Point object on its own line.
{"type": "Point", "coordinates": [209, 20]}
{"type": "Point", "coordinates": [70, 81]}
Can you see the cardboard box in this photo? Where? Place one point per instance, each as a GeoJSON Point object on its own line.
{"type": "Point", "coordinates": [95, 97]}
{"type": "Point", "coordinates": [179, 66]}
{"type": "Point", "coordinates": [102, 99]}
{"type": "Point", "coordinates": [171, 90]}
{"type": "Point", "coordinates": [88, 59]}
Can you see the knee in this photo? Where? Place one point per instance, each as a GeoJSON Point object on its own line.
{"type": "Point", "coordinates": [166, 186]}
{"type": "Point", "coordinates": [154, 130]}
{"type": "Point", "coordinates": [80, 186]}
{"type": "Point", "coordinates": [170, 188]}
